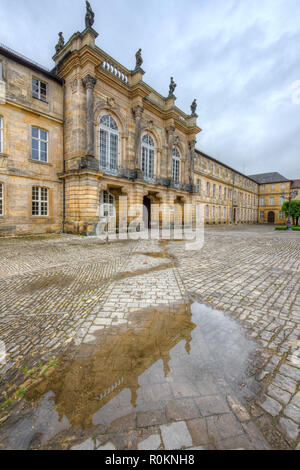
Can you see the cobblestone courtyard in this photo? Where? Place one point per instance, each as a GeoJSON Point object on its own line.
{"type": "Point", "coordinates": [143, 345]}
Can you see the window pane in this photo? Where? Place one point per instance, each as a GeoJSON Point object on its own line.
{"type": "Point", "coordinates": [35, 132]}
{"type": "Point", "coordinates": [103, 148]}
{"type": "Point", "coordinates": [113, 151]}
{"type": "Point", "coordinates": [43, 135]}
{"type": "Point", "coordinates": [35, 154]}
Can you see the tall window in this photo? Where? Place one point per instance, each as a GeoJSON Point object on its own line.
{"type": "Point", "coordinates": [176, 165]}
{"type": "Point", "coordinates": [282, 199]}
{"type": "Point", "coordinates": [39, 201]}
{"type": "Point", "coordinates": [1, 71]}
{"type": "Point", "coordinates": [198, 186]}
{"type": "Point", "coordinates": [1, 135]}
{"type": "Point", "coordinates": [207, 211]}
{"type": "Point", "coordinates": [1, 199]}
{"type": "Point", "coordinates": [148, 153]}
{"type": "Point", "coordinates": [272, 201]}
{"type": "Point", "coordinates": [39, 90]}
{"type": "Point", "coordinates": [107, 205]}
{"type": "Point", "coordinates": [108, 144]}
{"type": "Point", "coordinates": [262, 201]}
{"type": "Point", "coordinates": [39, 144]}
{"type": "Point", "coordinates": [207, 189]}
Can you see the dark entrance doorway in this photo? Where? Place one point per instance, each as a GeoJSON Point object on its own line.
{"type": "Point", "coordinates": [234, 215]}
{"type": "Point", "coordinates": [147, 212]}
{"type": "Point", "coordinates": [271, 217]}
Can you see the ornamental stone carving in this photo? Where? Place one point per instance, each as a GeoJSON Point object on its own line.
{"type": "Point", "coordinates": [61, 42]}
{"type": "Point", "coordinates": [139, 59]}
{"type": "Point", "coordinates": [172, 87]}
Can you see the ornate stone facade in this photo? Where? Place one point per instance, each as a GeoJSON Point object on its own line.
{"type": "Point", "coordinates": [107, 135]}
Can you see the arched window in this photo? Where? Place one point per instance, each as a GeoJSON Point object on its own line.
{"type": "Point", "coordinates": [148, 155]}
{"type": "Point", "coordinates": [176, 165]}
{"type": "Point", "coordinates": [107, 205]}
{"type": "Point", "coordinates": [108, 144]}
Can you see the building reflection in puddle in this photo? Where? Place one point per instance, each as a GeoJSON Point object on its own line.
{"type": "Point", "coordinates": [161, 356]}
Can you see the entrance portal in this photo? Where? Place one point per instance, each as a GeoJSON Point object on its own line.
{"type": "Point", "coordinates": [147, 212]}
{"type": "Point", "coordinates": [271, 217]}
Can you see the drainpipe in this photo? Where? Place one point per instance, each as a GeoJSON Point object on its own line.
{"type": "Point", "coordinates": [64, 162]}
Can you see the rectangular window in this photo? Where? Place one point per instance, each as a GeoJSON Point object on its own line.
{"type": "Point", "coordinates": [283, 186]}
{"type": "Point", "coordinates": [281, 215]}
{"type": "Point", "coordinates": [207, 189]}
{"type": "Point", "coordinates": [214, 190]}
{"type": "Point", "coordinates": [39, 144]}
{"type": "Point", "coordinates": [207, 211]}
{"type": "Point", "coordinates": [282, 200]}
{"type": "Point", "coordinates": [224, 214]}
{"type": "Point", "coordinates": [39, 202]}
{"type": "Point", "coordinates": [263, 187]}
{"type": "Point", "coordinates": [220, 192]}
{"type": "Point", "coordinates": [175, 172]}
{"type": "Point", "coordinates": [225, 193]}
{"type": "Point", "coordinates": [272, 186]}
{"type": "Point", "coordinates": [219, 212]}
{"type": "Point", "coordinates": [1, 199]}
{"type": "Point", "coordinates": [271, 201]}
{"type": "Point", "coordinates": [1, 71]}
{"type": "Point", "coordinates": [262, 214]}
{"type": "Point", "coordinates": [213, 211]}
{"type": "Point", "coordinates": [262, 201]}
{"type": "Point", "coordinates": [198, 186]}
{"type": "Point", "coordinates": [1, 135]}
{"type": "Point", "coordinates": [39, 90]}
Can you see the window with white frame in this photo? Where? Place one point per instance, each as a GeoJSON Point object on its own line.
{"type": "Point", "coordinates": [224, 212]}
{"type": "Point", "coordinates": [272, 201]}
{"type": "Point", "coordinates": [263, 187]}
{"type": "Point", "coordinates": [148, 156]}
{"type": "Point", "coordinates": [272, 187]}
{"type": "Point", "coordinates": [39, 201]}
{"type": "Point", "coordinates": [39, 144]}
{"type": "Point", "coordinates": [283, 186]}
{"type": "Point", "coordinates": [225, 193]}
{"type": "Point", "coordinates": [1, 199]}
{"type": "Point", "coordinates": [219, 212]}
{"type": "Point", "coordinates": [108, 144]}
{"type": "Point", "coordinates": [207, 211]}
{"type": "Point", "coordinates": [213, 211]}
{"type": "Point", "coordinates": [262, 201]}
{"type": "Point", "coordinates": [176, 165]}
{"type": "Point", "coordinates": [107, 204]}
{"type": "Point", "coordinates": [214, 190]}
{"type": "Point", "coordinates": [220, 192]}
{"type": "Point", "coordinates": [198, 186]}
{"type": "Point", "coordinates": [1, 135]}
{"type": "Point", "coordinates": [262, 215]}
{"type": "Point", "coordinates": [282, 200]}
{"type": "Point", "coordinates": [281, 215]}
{"type": "Point", "coordinates": [39, 89]}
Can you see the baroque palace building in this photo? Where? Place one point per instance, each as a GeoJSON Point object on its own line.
{"type": "Point", "coordinates": [76, 140]}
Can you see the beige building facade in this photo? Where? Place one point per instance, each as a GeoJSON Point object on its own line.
{"type": "Point", "coordinates": [91, 140]}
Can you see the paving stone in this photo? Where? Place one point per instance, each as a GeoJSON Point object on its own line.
{"type": "Point", "coordinates": [293, 412]}
{"type": "Point", "coordinates": [86, 445]}
{"type": "Point", "coordinates": [150, 418]}
{"type": "Point", "coordinates": [198, 430]}
{"type": "Point", "coordinates": [271, 406]}
{"type": "Point", "coordinates": [279, 394]}
{"type": "Point", "coordinates": [176, 436]}
{"type": "Point", "coordinates": [212, 405]}
{"type": "Point", "coordinates": [238, 409]}
{"type": "Point", "coordinates": [223, 427]}
{"type": "Point", "coordinates": [291, 428]}
{"type": "Point", "coordinates": [183, 409]}
{"type": "Point", "coordinates": [108, 446]}
{"type": "Point", "coordinates": [123, 424]}
{"type": "Point", "coordinates": [152, 443]}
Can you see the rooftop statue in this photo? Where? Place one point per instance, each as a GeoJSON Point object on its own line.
{"type": "Point", "coordinates": [90, 16]}
{"type": "Point", "coordinates": [172, 87]}
{"type": "Point", "coordinates": [61, 42]}
{"type": "Point", "coordinates": [139, 59]}
{"type": "Point", "coordinates": [194, 107]}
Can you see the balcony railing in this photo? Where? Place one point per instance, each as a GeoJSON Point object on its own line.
{"type": "Point", "coordinates": [136, 175]}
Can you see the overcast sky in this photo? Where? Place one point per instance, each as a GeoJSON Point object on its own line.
{"type": "Point", "coordinates": [239, 58]}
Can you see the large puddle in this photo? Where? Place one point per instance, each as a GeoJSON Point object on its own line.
{"type": "Point", "coordinates": [163, 357]}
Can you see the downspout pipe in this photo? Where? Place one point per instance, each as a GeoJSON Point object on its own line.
{"type": "Point", "coordinates": [64, 162]}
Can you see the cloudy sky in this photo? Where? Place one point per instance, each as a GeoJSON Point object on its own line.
{"type": "Point", "coordinates": [239, 58]}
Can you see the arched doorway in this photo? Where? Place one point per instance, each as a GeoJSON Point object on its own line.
{"type": "Point", "coordinates": [147, 212]}
{"type": "Point", "coordinates": [271, 217]}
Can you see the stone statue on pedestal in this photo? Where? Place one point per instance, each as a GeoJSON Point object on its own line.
{"type": "Point", "coordinates": [172, 87]}
{"type": "Point", "coordinates": [61, 42]}
{"type": "Point", "coordinates": [194, 107]}
{"type": "Point", "coordinates": [90, 16]}
{"type": "Point", "coordinates": [139, 59]}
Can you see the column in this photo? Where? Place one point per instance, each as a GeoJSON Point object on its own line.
{"type": "Point", "coordinates": [89, 83]}
{"type": "Point", "coordinates": [138, 113]}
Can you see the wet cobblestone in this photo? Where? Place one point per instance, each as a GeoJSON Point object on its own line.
{"type": "Point", "coordinates": [58, 291]}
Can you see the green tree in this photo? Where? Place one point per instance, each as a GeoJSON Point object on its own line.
{"type": "Point", "coordinates": [295, 211]}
